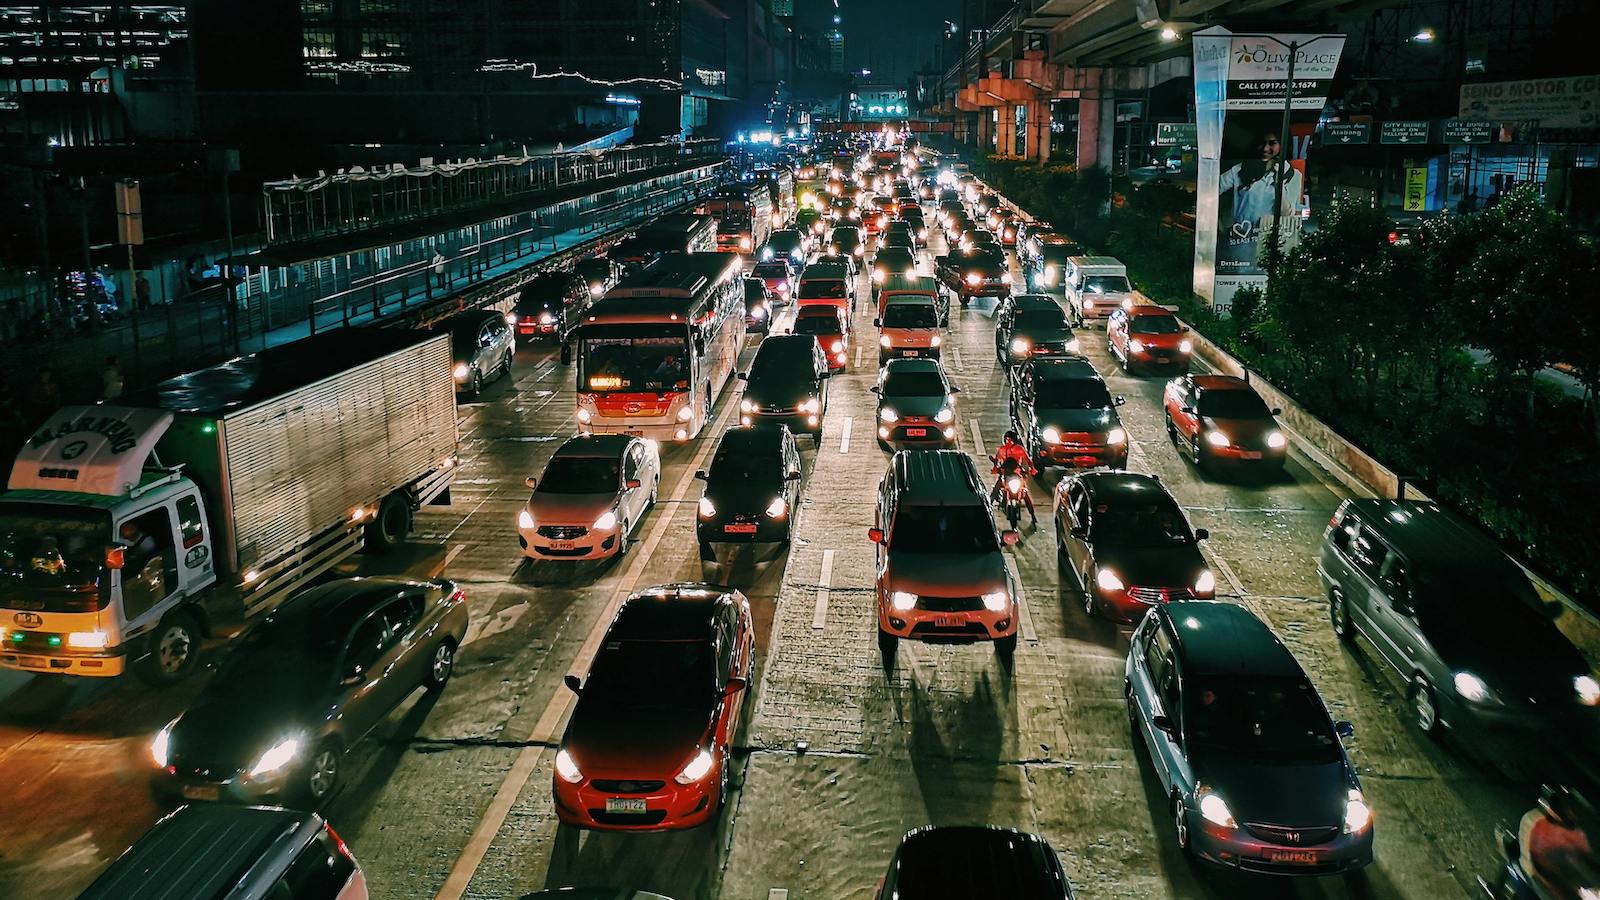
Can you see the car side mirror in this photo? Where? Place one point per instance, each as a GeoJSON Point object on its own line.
{"type": "Point", "coordinates": [700, 474]}
{"type": "Point", "coordinates": [1010, 538]}
{"type": "Point", "coordinates": [1119, 400]}
{"type": "Point", "coordinates": [874, 390]}
{"type": "Point", "coordinates": [115, 556]}
{"type": "Point", "coordinates": [877, 323]}
{"type": "Point", "coordinates": [531, 482]}
{"type": "Point", "coordinates": [1184, 329]}
{"type": "Point", "coordinates": [350, 680]}
{"type": "Point", "coordinates": [573, 683]}
{"type": "Point", "coordinates": [1201, 534]}
{"type": "Point", "coordinates": [954, 390]}
{"type": "Point", "coordinates": [734, 686]}
{"type": "Point", "coordinates": [1080, 532]}
{"type": "Point", "coordinates": [875, 535]}
{"type": "Point", "coordinates": [1164, 725]}
{"type": "Point", "coordinates": [633, 484]}
{"type": "Point", "coordinates": [1277, 410]}
{"type": "Point", "coordinates": [743, 376]}
{"type": "Point", "coordinates": [1187, 410]}
{"type": "Point", "coordinates": [1510, 846]}
{"type": "Point", "coordinates": [1344, 729]}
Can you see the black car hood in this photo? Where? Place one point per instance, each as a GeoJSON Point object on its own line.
{"type": "Point", "coordinates": [914, 406]}
{"type": "Point", "coordinates": [650, 740]}
{"type": "Point", "coordinates": [1520, 653]}
{"type": "Point", "coordinates": [742, 496]}
{"type": "Point", "coordinates": [1311, 795]}
{"type": "Point", "coordinates": [231, 731]}
{"type": "Point", "coordinates": [1043, 335]}
{"type": "Point", "coordinates": [1176, 566]}
{"type": "Point", "coordinates": [778, 390]}
{"type": "Point", "coordinates": [1092, 420]}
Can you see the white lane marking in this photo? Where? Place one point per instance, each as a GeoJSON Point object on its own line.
{"type": "Point", "coordinates": [819, 617]}
{"type": "Point", "coordinates": [955, 359]}
{"type": "Point", "coordinates": [977, 438]}
{"type": "Point", "coordinates": [449, 557]}
{"type": "Point", "coordinates": [544, 731]}
{"type": "Point", "coordinates": [844, 434]}
{"type": "Point", "coordinates": [777, 894]}
{"type": "Point", "coordinates": [858, 356]}
{"type": "Point", "coordinates": [502, 621]}
{"type": "Point", "coordinates": [1024, 618]}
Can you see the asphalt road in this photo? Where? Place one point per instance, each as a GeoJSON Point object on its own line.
{"type": "Point", "coordinates": [450, 797]}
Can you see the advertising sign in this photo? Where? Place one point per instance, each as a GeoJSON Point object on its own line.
{"type": "Point", "coordinates": [1175, 134]}
{"type": "Point", "coordinates": [1416, 189]}
{"type": "Point", "coordinates": [1404, 132]}
{"type": "Point", "coordinates": [1465, 131]}
{"type": "Point", "coordinates": [1251, 177]}
{"type": "Point", "coordinates": [1345, 133]}
{"type": "Point", "coordinates": [1572, 102]}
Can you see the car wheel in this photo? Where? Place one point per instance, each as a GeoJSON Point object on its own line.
{"type": "Point", "coordinates": [1339, 615]}
{"type": "Point", "coordinates": [1090, 607]}
{"type": "Point", "coordinates": [1006, 646]}
{"type": "Point", "coordinates": [441, 665]}
{"type": "Point", "coordinates": [505, 366]}
{"type": "Point", "coordinates": [887, 644]}
{"type": "Point", "coordinates": [1424, 706]}
{"type": "Point", "coordinates": [174, 650]}
{"type": "Point", "coordinates": [322, 772]}
{"type": "Point", "coordinates": [1172, 431]}
{"type": "Point", "coordinates": [654, 487]}
{"type": "Point", "coordinates": [622, 539]}
{"type": "Point", "coordinates": [1180, 823]}
{"type": "Point", "coordinates": [477, 383]}
{"type": "Point", "coordinates": [707, 553]}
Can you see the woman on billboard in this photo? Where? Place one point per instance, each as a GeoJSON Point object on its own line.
{"type": "Point", "coordinates": [1254, 186]}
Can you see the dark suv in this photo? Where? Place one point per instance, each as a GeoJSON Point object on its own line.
{"type": "Point", "coordinates": [787, 384]}
{"type": "Point", "coordinates": [1066, 416]}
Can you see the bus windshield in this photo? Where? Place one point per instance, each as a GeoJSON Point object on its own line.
{"type": "Point", "coordinates": [634, 359]}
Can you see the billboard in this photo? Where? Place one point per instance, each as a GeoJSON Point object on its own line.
{"type": "Point", "coordinates": [1557, 103]}
{"type": "Point", "coordinates": [1251, 175]}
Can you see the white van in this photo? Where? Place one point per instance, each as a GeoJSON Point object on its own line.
{"type": "Point", "coordinates": [1097, 285]}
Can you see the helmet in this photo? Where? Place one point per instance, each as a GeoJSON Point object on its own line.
{"type": "Point", "coordinates": [1012, 437]}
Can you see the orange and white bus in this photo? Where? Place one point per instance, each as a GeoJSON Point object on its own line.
{"type": "Point", "coordinates": [655, 352]}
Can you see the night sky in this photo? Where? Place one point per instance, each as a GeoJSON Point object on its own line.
{"type": "Point", "coordinates": [893, 38]}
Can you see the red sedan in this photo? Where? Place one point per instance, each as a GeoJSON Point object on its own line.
{"type": "Point", "coordinates": [1221, 419]}
{"type": "Point", "coordinates": [648, 745]}
{"type": "Point", "coordinates": [1144, 336]}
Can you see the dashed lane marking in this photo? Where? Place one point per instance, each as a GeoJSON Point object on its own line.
{"type": "Point", "coordinates": [955, 359]}
{"type": "Point", "coordinates": [449, 557]}
{"type": "Point", "coordinates": [777, 894]}
{"type": "Point", "coordinates": [858, 356]}
{"type": "Point", "coordinates": [844, 434]}
{"type": "Point", "coordinates": [1025, 618]}
{"type": "Point", "coordinates": [977, 437]}
{"type": "Point", "coordinates": [819, 617]}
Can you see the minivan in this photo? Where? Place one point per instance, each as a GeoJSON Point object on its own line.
{"type": "Point", "coordinates": [1456, 617]}
{"type": "Point", "coordinates": [942, 575]}
{"type": "Point", "coordinates": [214, 852]}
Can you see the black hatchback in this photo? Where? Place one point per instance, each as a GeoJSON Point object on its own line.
{"type": "Point", "coordinates": [752, 489]}
{"type": "Point", "coordinates": [974, 862]}
{"type": "Point", "coordinates": [787, 384]}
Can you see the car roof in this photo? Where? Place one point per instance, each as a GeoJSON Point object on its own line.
{"type": "Point", "coordinates": [1094, 262]}
{"type": "Point", "coordinates": [201, 852]}
{"type": "Point", "coordinates": [595, 446]}
{"type": "Point", "coordinates": [936, 478]}
{"type": "Point", "coordinates": [1133, 486]}
{"type": "Point", "coordinates": [1220, 383]}
{"type": "Point", "coordinates": [977, 861]}
{"type": "Point", "coordinates": [919, 283]}
{"type": "Point", "coordinates": [1034, 301]}
{"type": "Point", "coordinates": [1148, 309]}
{"type": "Point", "coordinates": [668, 612]}
{"type": "Point", "coordinates": [1214, 637]}
{"type": "Point", "coordinates": [1049, 367]}
{"type": "Point", "coordinates": [752, 440]}
{"type": "Point", "coordinates": [1429, 535]}
{"type": "Point", "coordinates": [329, 610]}
{"type": "Point", "coordinates": [468, 323]}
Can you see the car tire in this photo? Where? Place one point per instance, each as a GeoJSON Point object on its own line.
{"type": "Point", "coordinates": [707, 552]}
{"type": "Point", "coordinates": [321, 775]}
{"type": "Point", "coordinates": [174, 650]}
{"type": "Point", "coordinates": [1091, 607]}
{"type": "Point", "coordinates": [888, 644]}
{"type": "Point", "coordinates": [1424, 706]}
{"type": "Point", "coordinates": [622, 538]}
{"type": "Point", "coordinates": [505, 366]}
{"type": "Point", "coordinates": [1172, 431]}
{"type": "Point", "coordinates": [389, 529]}
{"type": "Point", "coordinates": [1006, 646]}
{"type": "Point", "coordinates": [1339, 616]}
{"type": "Point", "coordinates": [476, 383]}
{"type": "Point", "coordinates": [440, 666]}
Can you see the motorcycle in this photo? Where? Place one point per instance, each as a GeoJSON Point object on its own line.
{"type": "Point", "coordinates": [1011, 491]}
{"type": "Point", "coordinates": [1557, 862]}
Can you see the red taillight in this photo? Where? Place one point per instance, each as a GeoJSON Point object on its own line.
{"type": "Point", "coordinates": [338, 842]}
{"type": "Point", "coordinates": [1394, 237]}
{"type": "Point", "coordinates": [460, 596]}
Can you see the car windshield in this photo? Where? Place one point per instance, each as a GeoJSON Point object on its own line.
{"type": "Point", "coordinates": [1134, 525]}
{"type": "Point", "coordinates": [891, 258]}
{"type": "Point", "coordinates": [593, 269]}
{"type": "Point", "coordinates": [817, 325]}
{"type": "Point", "coordinates": [1106, 284]}
{"type": "Point", "coordinates": [1041, 317]}
{"type": "Point", "coordinates": [1059, 253]}
{"type": "Point", "coordinates": [910, 315]}
{"type": "Point", "coordinates": [755, 290]}
{"type": "Point", "coordinates": [1233, 405]}
{"type": "Point", "coordinates": [846, 238]}
{"type": "Point", "coordinates": [913, 384]}
{"type": "Point", "coordinates": [944, 529]}
{"type": "Point", "coordinates": [822, 289]}
{"type": "Point", "coordinates": [651, 673]}
{"type": "Point", "coordinates": [1153, 325]}
{"type": "Point", "coordinates": [738, 464]}
{"type": "Point", "coordinates": [280, 656]}
{"type": "Point", "coordinates": [581, 475]}
{"type": "Point", "coordinates": [1071, 393]}
{"type": "Point", "coordinates": [1276, 719]}
{"type": "Point", "coordinates": [635, 359]}
{"type": "Point", "coordinates": [53, 548]}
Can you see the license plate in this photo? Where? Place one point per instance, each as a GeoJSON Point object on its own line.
{"type": "Point", "coordinates": [1250, 454]}
{"type": "Point", "coordinates": [634, 433]}
{"type": "Point", "coordinates": [910, 352]}
{"type": "Point", "coordinates": [949, 621]}
{"type": "Point", "coordinates": [1299, 857]}
{"type": "Point", "coordinates": [738, 528]}
{"type": "Point", "coordinates": [201, 792]}
{"type": "Point", "coordinates": [625, 805]}
{"type": "Point", "coordinates": [916, 432]}
{"type": "Point", "coordinates": [563, 545]}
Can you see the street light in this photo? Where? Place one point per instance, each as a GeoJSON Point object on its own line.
{"type": "Point", "coordinates": [1423, 36]}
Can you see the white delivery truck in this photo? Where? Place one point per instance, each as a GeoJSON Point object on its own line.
{"type": "Point", "coordinates": [130, 532]}
{"type": "Point", "coordinates": [1095, 286]}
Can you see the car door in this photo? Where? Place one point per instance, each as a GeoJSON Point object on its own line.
{"type": "Point", "coordinates": [410, 634]}
{"type": "Point", "coordinates": [1152, 693]}
{"type": "Point", "coordinates": [362, 665]}
{"type": "Point", "coordinates": [1185, 413]}
{"type": "Point", "coordinates": [633, 499]}
{"type": "Point", "coordinates": [1369, 554]}
{"type": "Point", "coordinates": [1078, 551]}
{"type": "Point", "coordinates": [1396, 616]}
{"type": "Point", "coordinates": [1115, 336]}
{"type": "Point", "coordinates": [728, 653]}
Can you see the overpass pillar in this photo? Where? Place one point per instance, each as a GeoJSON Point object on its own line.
{"type": "Point", "coordinates": [1007, 145]}
{"type": "Point", "coordinates": [985, 129]}
{"type": "Point", "coordinates": [1039, 130]}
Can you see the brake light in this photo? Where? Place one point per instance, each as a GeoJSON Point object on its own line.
{"type": "Point", "coordinates": [1394, 237]}
{"type": "Point", "coordinates": [338, 842]}
{"type": "Point", "coordinates": [460, 596]}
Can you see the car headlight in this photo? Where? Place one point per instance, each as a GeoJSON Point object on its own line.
{"type": "Point", "coordinates": [1020, 345]}
{"type": "Point", "coordinates": [1213, 809]}
{"type": "Point", "coordinates": [902, 600]}
{"type": "Point", "coordinates": [584, 415]}
{"type": "Point", "coordinates": [161, 745]}
{"type": "Point", "coordinates": [1051, 434]}
{"type": "Point", "coordinates": [745, 406]}
{"type": "Point", "coordinates": [1276, 441]}
{"type": "Point", "coordinates": [595, 290]}
{"type": "Point", "coordinates": [1049, 275]}
{"type": "Point", "coordinates": [945, 415]}
{"type": "Point", "coordinates": [1588, 690]}
{"type": "Point", "coordinates": [1005, 277]}
{"type": "Point", "coordinates": [1206, 583]}
{"type": "Point", "coordinates": [777, 508]}
{"type": "Point", "coordinates": [887, 414]}
{"type": "Point", "coordinates": [878, 275]}
{"type": "Point", "coordinates": [1357, 814]}
{"type": "Point", "coordinates": [798, 252]}
{"type": "Point", "coordinates": [547, 318]}
{"type": "Point", "coordinates": [811, 405]}
{"type": "Point", "coordinates": [511, 317]}
{"type": "Point", "coordinates": [607, 521]}
{"type": "Point", "coordinates": [525, 520]}
{"type": "Point", "coordinates": [837, 347]}
{"type": "Point", "coordinates": [936, 341]}
{"type": "Point", "coordinates": [1136, 345]}
{"type": "Point", "coordinates": [1216, 438]}
{"type": "Point", "coordinates": [461, 371]}
{"type": "Point", "coordinates": [685, 414]}
{"type": "Point", "coordinates": [883, 340]}
{"type": "Point", "coordinates": [1471, 687]}
{"type": "Point", "coordinates": [1087, 303]}
{"type": "Point", "coordinates": [1108, 580]}
{"type": "Point", "coordinates": [276, 758]}
{"type": "Point", "coordinates": [697, 769]}
{"type": "Point", "coordinates": [1116, 436]}
{"type": "Point", "coordinates": [1186, 346]}
{"type": "Point", "coordinates": [973, 279]}
{"type": "Point", "coordinates": [766, 252]}
{"type": "Point", "coordinates": [566, 769]}
{"type": "Point", "coordinates": [87, 640]}
{"type": "Point", "coordinates": [744, 243]}
{"type": "Point", "coordinates": [1014, 484]}
{"type": "Point", "coordinates": [996, 601]}
{"type": "Point", "coordinates": [707, 508]}
{"type": "Point", "coordinates": [922, 235]}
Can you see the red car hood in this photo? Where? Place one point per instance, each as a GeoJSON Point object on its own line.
{"type": "Point", "coordinates": [635, 743]}
{"type": "Point", "coordinates": [569, 509]}
{"type": "Point", "coordinates": [1161, 341]}
{"type": "Point", "coordinates": [1244, 432]}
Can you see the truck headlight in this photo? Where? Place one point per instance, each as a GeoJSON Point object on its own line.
{"type": "Point", "coordinates": [902, 600]}
{"type": "Point", "coordinates": [685, 414]}
{"type": "Point", "coordinates": [996, 601]}
{"type": "Point", "coordinates": [87, 640]}
{"type": "Point", "coordinates": [280, 755]}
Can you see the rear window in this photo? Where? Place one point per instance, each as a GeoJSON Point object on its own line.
{"type": "Point", "coordinates": [770, 270]}
{"type": "Point", "coordinates": [817, 325]}
{"type": "Point", "coordinates": [320, 872]}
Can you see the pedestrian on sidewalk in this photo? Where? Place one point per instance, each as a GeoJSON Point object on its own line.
{"type": "Point", "coordinates": [438, 268]}
{"type": "Point", "coordinates": [141, 291]}
{"type": "Point", "coordinates": [111, 380]}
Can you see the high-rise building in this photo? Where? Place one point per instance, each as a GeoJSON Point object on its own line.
{"type": "Point", "coordinates": [836, 51]}
{"type": "Point", "coordinates": [783, 7]}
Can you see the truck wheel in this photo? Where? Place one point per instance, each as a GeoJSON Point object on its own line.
{"type": "Point", "coordinates": [391, 526]}
{"type": "Point", "coordinates": [174, 650]}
